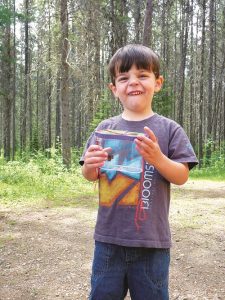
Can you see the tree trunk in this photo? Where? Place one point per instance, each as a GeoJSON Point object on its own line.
{"type": "Point", "coordinates": [223, 88]}
{"type": "Point", "coordinates": [119, 31]}
{"type": "Point", "coordinates": [183, 40]}
{"type": "Point", "coordinates": [201, 92]}
{"type": "Point", "coordinates": [65, 116]}
{"type": "Point", "coordinates": [30, 105]}
{"type": "Point", "coordinates": [36, 146]}
{"type": "Point", "coordinates": [137, 21]}
{"type": "Point", "coordinates": [14, 85]}
{"type": "Point", "coordinates": [192, 86]}
{"type": "Point", "coordinates": [49, 92]}
{"type": "Point", "coordinates": [58, 113]}
{"type": "Point", "coordinates": [6, 91]}
{"type": "Point", "coordinates": [147, 32]}
{"type": "Point", "coordinates": [26, 81]}
{"type": "Point", "coordinates": [175, 64]}
{"type": "Point", "coordinates": [210, 99]}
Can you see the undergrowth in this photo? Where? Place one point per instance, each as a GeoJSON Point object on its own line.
{"type": "Point", "coordinates": [213, 169]}
{"type": "Point", "coordinates": [43, 180]}
{"type": "Point", "coordinates": [40, 180]}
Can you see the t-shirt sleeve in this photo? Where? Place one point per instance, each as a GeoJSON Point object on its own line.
{"type": "Point", "coordinates": [180, 148]}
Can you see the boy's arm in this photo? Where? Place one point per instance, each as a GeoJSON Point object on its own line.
{"type": "Point", "coordinates": [174, 172]}
{"type": "Point", "coordinates": [94, 158]}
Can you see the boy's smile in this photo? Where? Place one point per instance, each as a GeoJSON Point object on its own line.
{"type": "Point", "coordinates": [135, 89]}
{"type": "Point", "coordinates": [134, 93]}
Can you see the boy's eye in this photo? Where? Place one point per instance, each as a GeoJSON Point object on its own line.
{"type": "Point", "coordinates": [143, 75]}
{"type": "Point", "coordinates": [123, 78]}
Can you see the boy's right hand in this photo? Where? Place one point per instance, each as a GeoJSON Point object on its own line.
{"type": "Point", "coordinates": [94, 158]}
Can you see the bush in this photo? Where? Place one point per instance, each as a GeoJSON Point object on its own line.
{"type": "Point", "coordinates": [41, 179]}
{"type": "Point", "coordinates": [213, 168]}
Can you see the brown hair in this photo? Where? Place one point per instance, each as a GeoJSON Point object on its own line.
{"type": "Point", "coordinates": [139, 55]}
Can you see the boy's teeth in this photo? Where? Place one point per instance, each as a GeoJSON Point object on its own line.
{"type": "Point", "coordinates": [135, 93]}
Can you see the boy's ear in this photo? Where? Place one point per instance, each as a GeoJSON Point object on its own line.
{"type": "Point", "coordinates": [158, 83]}
{"type": "Point", "coordinates": [112, 87]}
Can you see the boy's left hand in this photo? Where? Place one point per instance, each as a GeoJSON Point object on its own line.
{"type": "Point", "coordinates": [148, 147]}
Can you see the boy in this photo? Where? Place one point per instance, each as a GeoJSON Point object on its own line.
{"type": "Point", "coordinates": [132, 254]}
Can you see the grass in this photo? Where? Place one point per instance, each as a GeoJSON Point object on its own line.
{"type": "Point", "coordinates": [214, 170]}
{"type": "Point", "coordinates": [208, 174]}
{"type": "Point", "coordinates": [47, 183]}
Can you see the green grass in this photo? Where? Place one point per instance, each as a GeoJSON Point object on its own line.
{"type": "Point", "coordinates": [213, 168]}
{"type": "Point", "coordinates": [45, 183]}
{"type": "Point", "coordinates": [210, 173]}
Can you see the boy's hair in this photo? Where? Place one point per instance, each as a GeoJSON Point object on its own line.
{"type": "Point", "coordinates": [140, 56]}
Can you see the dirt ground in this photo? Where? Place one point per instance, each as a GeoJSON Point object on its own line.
{"type": "Point", "coordinates": [46, 253]}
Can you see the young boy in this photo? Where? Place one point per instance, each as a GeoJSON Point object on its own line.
{"type": "Point", "coordinates": [132, 251]}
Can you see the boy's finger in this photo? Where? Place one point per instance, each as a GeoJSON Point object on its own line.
{"type": "Point", "coordinates": [144, 144]}
{"type": "Point", "coordinates": [108, 150]}
{"type": "Point", "coordinates": [150, 133]}
{"type": "Point", "coordinates": [97, 154]}
{"type": "Point", "coordinates": [95, 165]}
{"type": "Point", "coordinates": [141, 140]}
{"type": "Point", "coordinates": [95, 162]}
{"type": "Point", "coordinates": [94, 148]}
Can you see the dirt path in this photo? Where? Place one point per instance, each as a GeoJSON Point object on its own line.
{"type": "Point", "coordinates": [45, 253]}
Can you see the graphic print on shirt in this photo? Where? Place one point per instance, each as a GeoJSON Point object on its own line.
{"type": "Point", "coordinates": [124, 180]}
{"type": "Point", "coordinates": [145, 201]}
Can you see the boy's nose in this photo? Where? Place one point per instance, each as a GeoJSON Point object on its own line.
{"type": "Point", "coordinates": [133, 81]}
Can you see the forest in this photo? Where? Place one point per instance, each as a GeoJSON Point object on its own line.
{"type": "Point", "coordinates": [53, 93]}
{"type": "Point", "coordinates": [53, 75]}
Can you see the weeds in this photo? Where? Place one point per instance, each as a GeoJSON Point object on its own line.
{"type": "Point", "coordinates": [42, 179]}
{"type": "Point", "coordinates": [216, 171]}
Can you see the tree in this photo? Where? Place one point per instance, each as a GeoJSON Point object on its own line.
{"type": "Point", "coordinates": [48, 139]}
{"type": "Point", "coordinates": [54, 75]}
{"type": "Point", "coordinates": [65, 116]}
{"type": "Point", "coordinates": [24, 112]}
{"type": "Point", "coordinates": [14, 84]}
{"type": "Point", "coordinates": [210, 79]}
{"type": "Point", "coordinates": [7, 95]}
{"type": "Point", "coordinates": [183, 52]}
{"type": "Point", "coordinates": [201, 95]}
{"type": "Point", "coordinates": [6, 76]}
{"type": "Point", "coordinates": [137, 20]}
{"type": "Point", "coordinates": [147, 32]}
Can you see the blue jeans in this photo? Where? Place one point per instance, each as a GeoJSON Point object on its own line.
{"type": "Point", "coordinates": [144, 271]}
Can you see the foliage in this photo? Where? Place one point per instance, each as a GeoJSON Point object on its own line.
{"type": "Point", "coordinates": [162, 102]}
{"type": "Point", "coordinates": [103, 112]}
{"type": "Point", "coordinates": [40, 179]}
{"type": "Point", "coordinates": [6, 16]}
{"type": "Point", "coordinates": [213, 167]}
{"type": "Point", "coordinates": [36, 179]}
{"type": "Point", "coordinates": [188, 40]}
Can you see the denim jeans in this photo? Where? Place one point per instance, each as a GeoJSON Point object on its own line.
{"type": "Point", "coordinates": [144, 271]}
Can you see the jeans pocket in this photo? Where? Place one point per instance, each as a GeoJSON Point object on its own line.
{"type": "Point", "coordinates": [101, 259]}
{"type": "Point", "coordinates": [157, 267]}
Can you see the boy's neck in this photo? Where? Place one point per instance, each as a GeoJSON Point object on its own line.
{"type": "Point", "coordinates": [135, 116]}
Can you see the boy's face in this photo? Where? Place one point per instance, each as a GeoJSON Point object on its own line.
{"type": "Point", "coordinates": [135, 90]}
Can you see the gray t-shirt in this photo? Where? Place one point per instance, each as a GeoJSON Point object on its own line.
{"type": "Point", "coordinates": [144, 224]}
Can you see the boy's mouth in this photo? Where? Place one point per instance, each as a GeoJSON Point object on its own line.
{"type": "Point", "coordinates": [134, 93]}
